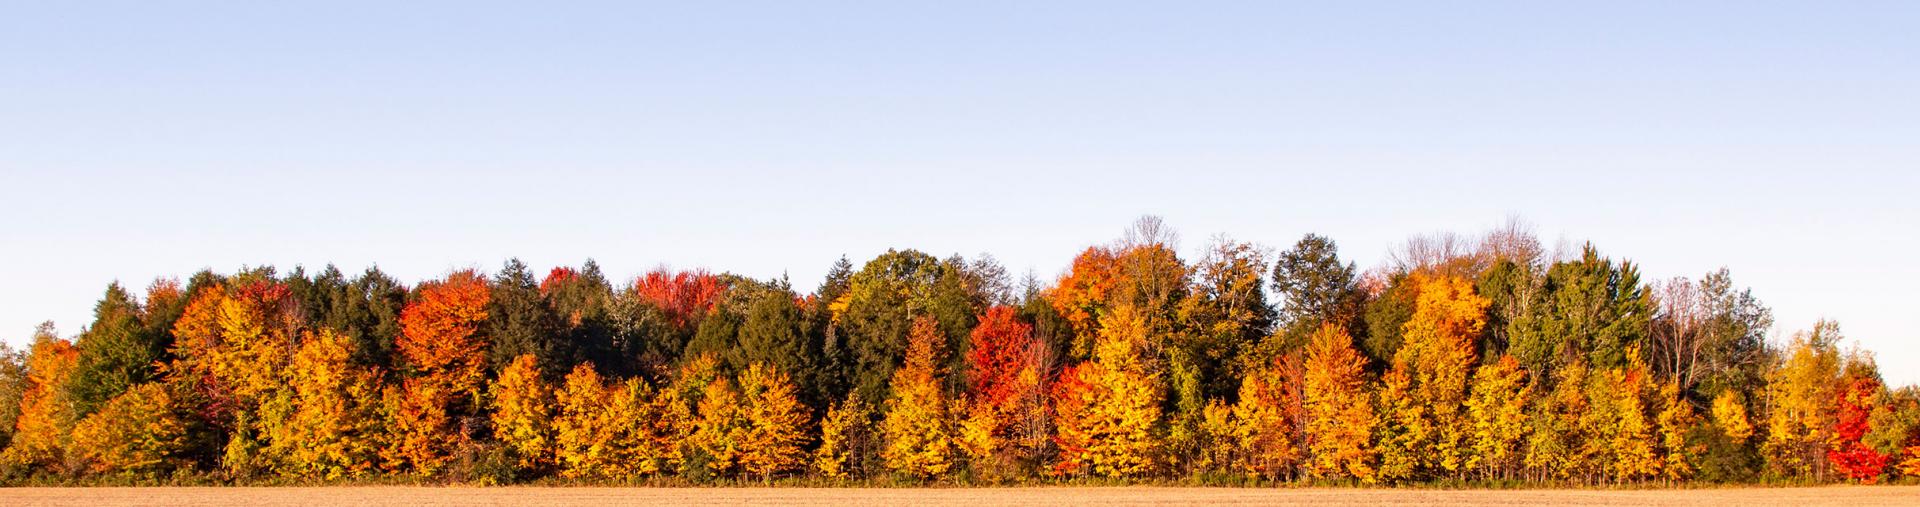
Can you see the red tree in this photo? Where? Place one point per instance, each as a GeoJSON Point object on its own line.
{"type": "Point", "coordinates": [685, 295]}
{"type": "Point", "coordinates": [1001, 347]}
{"type": "Point", "coordinates": [1854, 459]}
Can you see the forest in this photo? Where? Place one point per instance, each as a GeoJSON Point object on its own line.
{"type": "Point", "coordinates": [1481, 359]}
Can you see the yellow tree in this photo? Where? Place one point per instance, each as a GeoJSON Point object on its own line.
{"type": "Point", "coordinates": [1497, 408]}
{"type": "Point", "coordinates": [917, 427]}
{"type": "Point", "coordinates": [578, 429]}
{"type": "Point", "coordinates": [1621, 431]}
{"type": "Point", "coordinates": [1266, 420]}
{"type": "Point", "coordinates": [46, 413]}
{"type": "Point", "coordinates": [523, 413]}
{"type": "Point", "coordinates": [1676, 421]}
{"type": "Point", "coordinates": [629, 442]}
{"type": "Point", "coordinates": [719, 428]}
{"type": "Point", "coordinates": [1729, 414]}
{"type": "Point", "coordinates": [1801, 409]}
{"type": "Point", "coordinates": [335, 419]}
{"type": "Point", "coordinates": [846, 436]}
{"type": "Point", "coordinates": [1111, 404]}
{"type": "Point", "coordinates": [776, 422]}
{"type": "Point", "coordinates": [136, 432]}
{"type": "Point", "coordinates": [1556, 441]}
{"type": "Point", "coordinates": [1339, 416]}
{"type": "Point", "coordinates": [1435, 361]}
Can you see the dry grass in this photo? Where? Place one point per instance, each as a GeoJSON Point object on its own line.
{"type": "Point", "coordinates": [1862, 496]}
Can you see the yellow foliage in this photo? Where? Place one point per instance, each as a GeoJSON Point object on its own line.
{"type": "Point", "coordinates": [844, 435]}
{"type": "Point", "coordinates": [1730, 415]}
{"type": "Point", "coordinates": [578, 428]}
{"type": "Point", "coordinates": [775, 422]}
{"type": "Point", "coordinates": [720, 429]}
{"type": "Point", "coordinates": [46, 413]}
{"type": "Point", "coordinates": [1801, 410]}
{"type": "Point", "coordinates": [136, 432]}
{"type": "Point", "coordinates": [1111, 406]}
{"type": "Point", "coordinates": [1497, 407]}
{"type": "Point", "coordinates": [917, 427]}
{"type": "Point", "coordinates": [523, 413]}
{"type": "Point", "coordinates": [1434, 362]}
{"type": "Point", "coordinates": [1617, 421]}
{"type": "Point", "coordinates": [326, 423]}
{"type": "Point", "coordinates": [1676, 420]}
{"type": "Point", "coordinates": [1339, 418]}
{"type": "Point", "coordinates": [1265, 430]}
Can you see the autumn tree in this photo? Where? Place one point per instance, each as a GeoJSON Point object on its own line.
{"type": "Point", "coordinates": [47, 416]}
{"type": "Point", "coordinates": [1497, 410]}
{"type": "Point", "coordinates": [1339, 416]}
{"type": "Point", "coordinates": [135, 433]}
{"type": "Point", "coordinates": [1428, 381]}
{"type": "Point", "coordinates": [720, 430]}
{"type": "Point", "coordinates": [1109, 407]}
{"type": "Point", "coordinates": [1848, 452]}
{"type": "Point", "coordinates": [775, 422]}
{"type": "Point", "coordinates": [1267, 415]}
{"type": "Point", "coordinates": [1677, 423]}
{"type": "Point", "coordinates": [1618, 423]}
{"type": "Point", "coordinates": [523, 413]}
{"type": "Point", "coordinates": [1081, 296]}
{"type": "Point", "coordinates": [847, 440]}
{"type": "Point", "coordinates": [918, 426]}
{"type": "Point", "coordinates": [1801, 391]}
{"type": "Point", "coordinates": [334, 426]}
{"type": "Point", "coordinates": [13, 385]}
{"type": "Point", "coordinates": [445, 358]}
{"type": "Point", "coordinates": [577, 424]}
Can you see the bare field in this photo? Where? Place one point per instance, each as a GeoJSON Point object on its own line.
{"type": "Point", "coordinates": [969, 497]}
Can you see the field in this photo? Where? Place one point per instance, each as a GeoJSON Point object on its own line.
{"type": "Point", "coordinates": [1157, 496]}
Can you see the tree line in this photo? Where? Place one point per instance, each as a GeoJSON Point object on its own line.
{"type": "Point", "coordinates": [1461, 359]}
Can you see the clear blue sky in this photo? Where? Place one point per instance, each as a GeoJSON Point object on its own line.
{"type": "Point", "coordinates": [139, 139]}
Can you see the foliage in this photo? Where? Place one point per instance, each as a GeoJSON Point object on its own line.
{"type": "Point", "coordinates": [918, 428]}
{"type": "Point", "coordinates": [135, 433]}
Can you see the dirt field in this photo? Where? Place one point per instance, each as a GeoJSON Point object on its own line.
{"type": "Point", "coordinates": [1158, 496]}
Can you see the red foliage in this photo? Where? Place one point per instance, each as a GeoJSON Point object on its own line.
{"type": "Point", "coordinates": [1000, 347]}
{"type": "Point", "coordinates": [684, 295]}
{"type": "Point", "coordinates": [1854, 459]}
{"type": "Point", "coordinates": [556, 278]}
{"type": "Point", "coordinates": [1069, 407]}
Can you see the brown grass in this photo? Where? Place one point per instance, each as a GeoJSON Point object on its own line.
{"type": "Point", "coordinates": [409, 496]}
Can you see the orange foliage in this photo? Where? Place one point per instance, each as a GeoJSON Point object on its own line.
{"type": "Point", "coordinates": [684, 295]}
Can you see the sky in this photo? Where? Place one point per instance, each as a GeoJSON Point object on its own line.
{"type": "Point", "coordinates": [146, 139]}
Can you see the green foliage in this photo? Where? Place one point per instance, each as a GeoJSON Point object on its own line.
{"type": "Point", "coordinates": [116, 352]}
{"type": "Point", "coordinates": [881, 302]}
{"type": "Point", "coordinates": [1591, 309]}
{"type": "Point", "coordinates": [520, 323]}
{"type": "Point", "coordinates": [1315, 288]}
